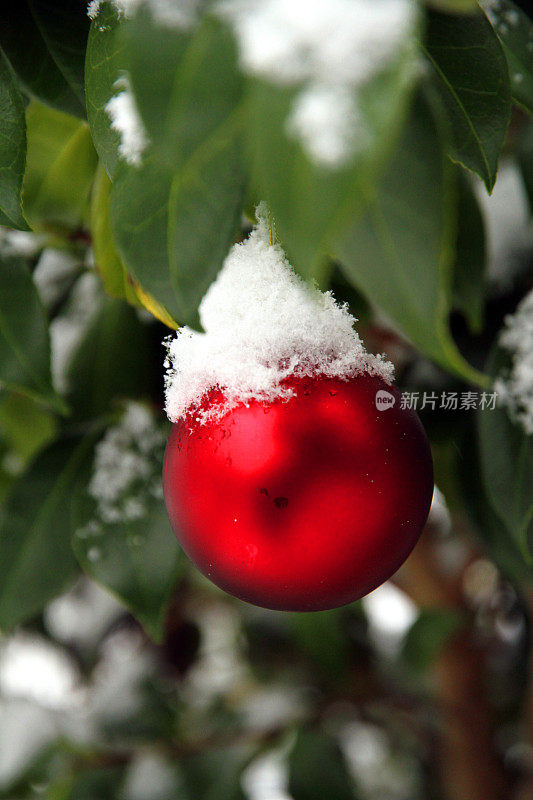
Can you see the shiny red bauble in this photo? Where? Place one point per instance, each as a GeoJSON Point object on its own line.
{"type": "Point", "coordinates": [304, 504]}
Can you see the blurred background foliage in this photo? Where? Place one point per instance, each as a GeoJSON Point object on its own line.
{"type": "Point", "coordinates": [125, 674]}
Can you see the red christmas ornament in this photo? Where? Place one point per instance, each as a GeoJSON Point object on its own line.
{"type": "Point", "coordinates": [304, 504]}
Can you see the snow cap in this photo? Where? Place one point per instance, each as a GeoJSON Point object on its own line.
{"type": "Point", "coordinates": [262, 324]}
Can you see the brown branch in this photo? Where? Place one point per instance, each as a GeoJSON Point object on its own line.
{"type": "Point", "coordinates": [525, 788]}
{"type": "Point", "coordinates": [465, 760]}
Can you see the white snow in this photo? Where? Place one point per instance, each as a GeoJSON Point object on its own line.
{"type": "Point", "coordinates": [439, 513]}
{"type": "Point", "coordinates": [149, 776]}
{"type": "Point", "coordinates": [26, 730]}
{"type": "Point", "coordinates": [54, 272]}
{"type": "Point", "coordinates": [507, 223]}
{"type": "Point", "coordinates": [516, 389]}
{"type": "Point", "coordinates": [32, 668]}
{"type": "Point", "coordinates": [390, 613]}
{"type": "Point", "coordinates": [262, 324]}
{"type": "Point", "coordinates": [67, 329]}
{"type": "Point", "coordinates": [325, 120]}
{"type": "Point", "coordinates": [377, 765]}
{"type": "Point", "coordinates": [174, 13]}
{"type": "Point", "coordinates": [127, 467]}
{"type": "Point", "coordinates": [81, 616]}
{"type": "Point", "coordinates": [125, 119]}
{"type": "Point", "coordinates": [25, 244]}
{"type": "Point", "coordinates": [329, 50]}
{"type": "Point", "coordinates": [267, 776]}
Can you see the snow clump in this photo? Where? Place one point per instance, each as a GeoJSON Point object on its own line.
{"type": "Point", "coordinates": [174, 13]}
{"type": "Point", "coordinates": [262, 324]}
{"type": "Point", "coordinates": [126, 120]}
{"type": "Point", "coordinates": [329, 50]}
{"type": "Point", "coordinates": [516, 389]}
{"type": "Point", "coordinates": [127, 468]}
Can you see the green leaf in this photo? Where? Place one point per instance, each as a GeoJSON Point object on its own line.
{"type": "Point", "coordinates": [38, 73]}
{"type": "Point", "coordinates": [174, 230]}
{"type": "Point", "coordinates": [400, 252]}
{"type": "Point", "coordinates": [313, 203]}
{"type": "Point", "coordinates": [104, 63]}
{"type": "Point", "coordinates": [36, 559]}
{"type": "Point", "coordinates": [187, 84]}
{"type": "Point", "coordinates": [515, 32]}
{"type": "Point", "coordinates": [24, 424]}
{"type": "Point", "coordinates": [470, 257]}
{"type": "Point", "coordinates": [175, 217]}
{"type": "Point", "coordinates": [110, 266]}
{"type": "Point", "coordinates": [321, 636]}
{"type": "Point", "coordinates": [64, 28]}
{"type": "Point", "coordinates": [134, 555]}
{"type": "Point", "coordinates": [110, 363]}
{"type": "Point", "coordinates": [102, 782]}
{"type": "Point", "coordinates": [215, 774]}
{"type": "Point", "coordinates": [506, 458]}
{"type": "Point", "coordinates": [24, 340]}
{"type": "Point", "coordinates": [472, 77]}
{"type": "Point", "coordinates": [60, 169]}
{"type": "Point", "coordinates": [317, 769]}
{"type": "Point", "coordinates": [12, 147]}
{"type": "Point", "coordinates": [428, 635]}
{"type": "Point", "coordinates": [491, 531]}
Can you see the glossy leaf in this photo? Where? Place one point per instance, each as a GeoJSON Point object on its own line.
{"type": "Point", "coordinates": [515, 31]}
{"type": "Point", "coordinates": [428, 635]}
{"type": "Point", "coordinates": [175, 218]}
{"type": "Point", "coordinates": [174, 230]}
{"type": "Point", "coordinates": [139, 562]}
{"type": "Point", "coordinates": [399, 253]}
{"type": "Point", "coordinates": [506, 457]}
{"type": "Point", "coordinates": [134, 555]}
{"type": "Point", "coordinates": [186, 83]}
{"type": "Point", "coordinates": [110, 266]}
{"type": "Point", "coordinates": [60, 169]}
{"type": "Point", "coordinates": [472, 77]}
{"type": "Point", "coordinates": [470, 257]}
{"type": "Point", "coordinates": [24, 340]}
{"type": "Point", "coordinates": [115, 277]}
{"type": "Point", "coordinates": [317, 769]}
{"type": "Point", "coordinates": [103, 65]}
{"type": "Point", "coordinates": [102, 782]}
{"type": "Point", "coordinates": [312, 203]}
{"type": "Point", "coordinates": [491, 531]}
{"type": "Point", "coordinates": [322, 638]}
{"type": "Point", "coordinates": [111, 362]}
{"type": "Point", "coordinates": [155, 308]}
{"type": "Point", "coordinates": [36, 559]}
{"type": "Point", "coordinates": [38, 73]}
{"type": "Point", "coordinates": [24, 424]}
{"type": "Point", "coordinates": [64, 28]}
{"type": "Point", "coordinates": [12, 147]}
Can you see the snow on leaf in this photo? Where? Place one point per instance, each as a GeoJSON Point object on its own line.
{"type": "Point", "coordinates": [329, 50]}
{"type": "Point", "coordinates": [127, 467]}
{"type": "Point", "coordinates": [126, 120]}
{"type": "Point", "coordinates": [516, 389]}
{"type": "Point", "coordinates": [67, 329]}
{"type": "Point", "coordinates": [179, 14]}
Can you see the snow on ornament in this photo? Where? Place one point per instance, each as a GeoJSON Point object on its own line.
{"type": "Point", "coordinates": [288, 479]}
